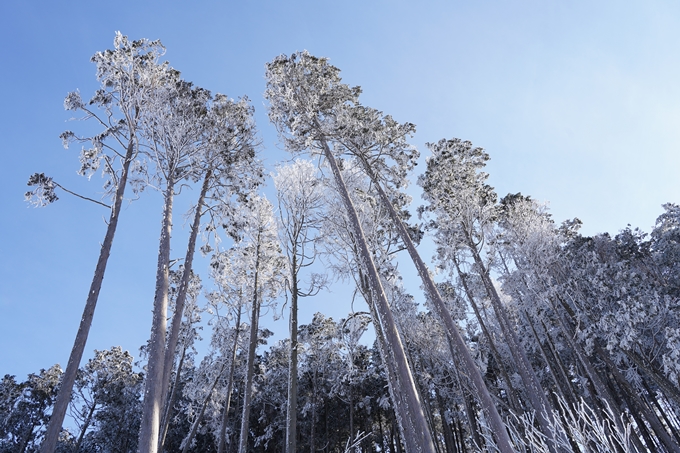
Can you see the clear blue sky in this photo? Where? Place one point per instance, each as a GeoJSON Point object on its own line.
{"type": "Point", "coordinates": [577, 103]}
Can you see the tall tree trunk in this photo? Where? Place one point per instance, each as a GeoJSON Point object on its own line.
{"type": "Point", "coordinates": [221, 443]}
{"type": "Point", "coordinates": [153, 389]}
{"type": "Point", "coordinates": [557, 382]}
{"type": "Point", "coordinates": [380, 429]}
{"type": "Point", "coordinates": [170, 403]}
{"type": "Point", "coordinates": [397, 398]}
{"type": "Point", "coordinates": [460, 437]}
{"type": "Point", "coordinates": [351, 411]}
{"type": "Point", "coordinates": [659, 410]}
{"type": "Point", "coordinates": [669, 389]}
{"type": "Point", "coordinates": [482, 392]}
{"type": "Point", "coordinates": [176, 323]}
{"type": "Point", "coordinates": [469, 412]}
{"type": "Point", "coordinates": [291, 411]}
{"type": "Point", "coordinates": [69, 376]}
{"type": "Point", "coordinates": [512, 392]}
{"type": "Point", "coordinates": [250, 367]}
{"type": "Point", "coordinates": [559, 364]}
{"type": "Point", "coordinates": [417, 435]}
{"type": "Point", "coordinates": [600, 387]}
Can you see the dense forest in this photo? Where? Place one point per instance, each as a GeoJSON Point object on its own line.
{"type": "Point", "coordinates": [532, 337]}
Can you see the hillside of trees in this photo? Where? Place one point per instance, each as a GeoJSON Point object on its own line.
{"type": "Point", "coordinates": [532, 337]}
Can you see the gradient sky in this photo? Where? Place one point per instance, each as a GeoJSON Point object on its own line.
{"type": "Point", "coordinates": [577, 103]}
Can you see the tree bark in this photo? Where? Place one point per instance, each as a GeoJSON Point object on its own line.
{"type": "Point", "coordinates": [312, 433]}
{"type": "Point", "coordinates": [397, 398]}
{"type": "Point", "coordinates": [512, 392]}
{"type": "Point", "coordinates": [600, 387]}
{"type": "Point", "coordinates": [86, 424]}
{"type": "Point", "coordinates": [662, 381]}
{"type": "Point", "coordinates": [183, 288]}
{"type": "Point", "coordinates": [250, 367]}
{"type": "Point", "coordinates": [472, 418]}
{"type": "Point", "coordinates": [558, 363]}
{"type": "Point", "coordinates": [69, 376]}
{"type": "Point", "coordinates": [659, 410]}
{"type": "Point", "coordinates": [153, 398]}
{"type": "Point", "coordinates": [446, 427]}
{"type": "Point", "coordinates": [417, 436]}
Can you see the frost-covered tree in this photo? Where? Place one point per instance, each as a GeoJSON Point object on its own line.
{"type": "Point", "coordinates": [617, 310]}
{"type": "Point", "coordinates": [129, 75]}
{"type": "Point", "coordinates": [306, 95]}
{"type": "Point", "coordinates": [231, 276]}
{"type": "Point", "coordinates": [349, 332]}
{"type": "Point", "coordinates": [300, 197]}
{"type": "Point", "coordinates": [321, 367]}
{"type": "Point", "coordinates": [105, 377]}
{"type": "Point", "coordinates": [187, 335]}
{"type": "Point", "coordinates": [191, 136]}
{"type": "Point", "coordinates": [25, 409]}
{"type": "Point", "coordinates": [266, 267]}
{"type": "Point", "coordinates": [665, 246]}
{"type": "Point", "coordinates": [268, 415]}
{"type": "Point", "coordinates": [202, 392]}
{"type": "Point", "coordinates": [379, 144]}
{"type": "Point", "coordinates": [594, 311]}
{"type": "Point", "coordinates": [341, 244]}
{"type": "Point", "coordinates": [463, 207]}
{"type": "Point", "coordinates": [230, 171]}
{"type": "Point", "coordinates": [107, 408]}
{"type": "Point", "coordinates": [174, 130]}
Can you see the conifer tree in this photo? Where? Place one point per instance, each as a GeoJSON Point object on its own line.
{"type": "Point", "coordinates": [305, 95]}
{"type": "Point", "coordinates": [129, 76]}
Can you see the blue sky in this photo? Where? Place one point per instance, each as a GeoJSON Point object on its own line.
{"type": "Point", "coordinates": [578, 104]}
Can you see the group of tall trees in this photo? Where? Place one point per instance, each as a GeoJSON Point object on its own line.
{"type": "Point", "coordinates": [532, 337]}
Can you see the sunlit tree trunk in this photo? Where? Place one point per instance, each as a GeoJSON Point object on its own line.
{"type": "Point", "coordinates": [183, 287]}
{"type": "Point", "coordinates": [639, 405]}
{"type": "Point", "coordinates": [417, 435]}
{"type": "Point", "coordinates": [512, 393]}
{"type": "Point", "coordinates": [69, 376]}
{"type": "Point", "coordinates": [534, 389]}
{"type": "Point", "coordinates": [153, 398]}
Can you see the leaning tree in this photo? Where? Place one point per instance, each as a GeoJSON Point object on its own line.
{"type": "Point", "coordinates": [305, 95]}
{"type": "Point", "coordinates": [129, 75]}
